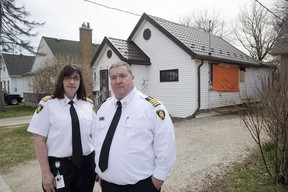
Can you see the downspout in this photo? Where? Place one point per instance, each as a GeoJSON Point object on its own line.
{"type": "Point", "coordinates": [199, 91]}
{"type": "Point", "coordinates": [199, 75]}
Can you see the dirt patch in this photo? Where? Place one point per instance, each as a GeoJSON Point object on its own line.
{"type": "Point", "coordinates": [205, 148]}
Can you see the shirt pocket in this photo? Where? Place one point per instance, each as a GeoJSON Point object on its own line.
{"type": "Point", "coordinates": [60, 124]}
{"type": "Point", "coordinates": [136, 133]}
{"type": "Point", "coordinates": [86, 123]}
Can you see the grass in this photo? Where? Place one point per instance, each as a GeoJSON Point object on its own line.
{"type": "Point", "coordinates": [248, 176]}
{"type": "Point", "coordinates": [16, 111]}
{"type": "Point", "coordinates": [16, 145]}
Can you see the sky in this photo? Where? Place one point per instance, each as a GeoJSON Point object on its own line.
{"type": "Point", "coordinates": [64, 17]}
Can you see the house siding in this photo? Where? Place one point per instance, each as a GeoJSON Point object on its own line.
{"type": "Point", "coordinates": [41, 59]}
{"type": "Point", "coordinates": [140, 71]}
{"type": "Point", "coordinates": [213, 99]}
{"type": "Point", "coordinates": [179, 97]}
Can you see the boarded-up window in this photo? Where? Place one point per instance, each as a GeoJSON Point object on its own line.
{"type": "Point", "coordinates": [225, 78]}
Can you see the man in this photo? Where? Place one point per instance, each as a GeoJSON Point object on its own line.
{"type": "Point", "coordinates": [142, 151]}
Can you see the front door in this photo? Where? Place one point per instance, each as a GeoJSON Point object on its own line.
{"type": "Point", "coordinates": [104, 86]}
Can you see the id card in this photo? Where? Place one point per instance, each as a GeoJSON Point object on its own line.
{"type": "Point", "coordinates": [59, 181]}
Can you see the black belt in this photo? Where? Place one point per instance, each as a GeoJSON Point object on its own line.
{"type": "Point", "coordinates": [66, 158]}
{"type": "Point", "coordinates": [60, 158]}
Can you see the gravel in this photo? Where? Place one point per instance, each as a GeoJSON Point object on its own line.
{"type": "Point", "coordinates": [205, 146]}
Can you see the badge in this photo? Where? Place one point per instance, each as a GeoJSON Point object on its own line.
{"type": "Point", "coordinates": [39, 108]}
{"type": "Point", "coordinates": [59, 181]}
{"type": "Point", "coordinates": [57, 164]}
{"type": "Point", "coordinates": [161, 113]}
{"type": "Point", "coordinates": [101, 118]}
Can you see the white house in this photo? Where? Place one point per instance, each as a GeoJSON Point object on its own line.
{"type": "Point", "coordinates": [13, 72]}
{"type": "Point", "coordinates": [188, 70]}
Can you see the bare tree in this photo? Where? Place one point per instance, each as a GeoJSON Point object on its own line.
{"type": "Point", "coordinates": [255, 31]}
{"type": "Point", "coordinates": [13, 28]}
{"type": "Point", "coordinates": [44, 79]}
{"type": "Point", "coordinates": [269, 118]}
{"type": "Point", "coordinates": [204, 21]}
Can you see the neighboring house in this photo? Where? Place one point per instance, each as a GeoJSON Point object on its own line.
{"type": "Point", "coordinates": [281, 47]}
{"type": "Point", "coordinates": [50, 48]}
{"type": "Point", "coordinates": [13, 72]}
{"type": "Point", "coordinates": [188, 70]}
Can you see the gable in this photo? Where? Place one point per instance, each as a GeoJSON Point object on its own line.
{"type": "Point", "coordinates": [126, 51]}
{"type": "Point", "coordinates": [197, 44]}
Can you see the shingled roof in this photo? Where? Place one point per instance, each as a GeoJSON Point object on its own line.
{"type": "Point", "coordinates": [126, 50]}
{"type": "Point", "coordinates": [281, 45]}
{"type": "Point", "coordinates": [196, 43]}
{"type": "Point", "coordinates": [66, 47]}
{"type": "Point", "coordinates": [18, 65]}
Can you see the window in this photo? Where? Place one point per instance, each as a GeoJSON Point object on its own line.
{"type": "Point", "coordinates": [225, 77]}
{"type": "Point", "coordinates": [242, 74]}
{"type": "Point", "coordinates": [147, 34]}
{"type": "Point", "coordinates": [169, 75]}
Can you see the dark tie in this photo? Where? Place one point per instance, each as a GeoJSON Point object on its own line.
{"type": "Point", "coordinates": [77, 154]}
{"type": "Point", "coordinates": [104, 154]}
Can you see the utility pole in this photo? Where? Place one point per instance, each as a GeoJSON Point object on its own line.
{"type": "Point", "coordinates": [2, 102]}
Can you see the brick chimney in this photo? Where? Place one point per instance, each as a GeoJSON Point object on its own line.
{"type": "Point", "coordinates": [86, 44]}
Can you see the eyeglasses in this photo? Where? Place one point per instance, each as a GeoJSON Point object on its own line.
{"type": "Point", "coordinates": [69, 78]}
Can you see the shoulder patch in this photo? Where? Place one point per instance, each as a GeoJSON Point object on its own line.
{"type": "Point", "coordinates": [46, 98]}
{"type": "Point", "coordinates": [89, 100]}
{"type": "Point", "coordinates": [161, 114]}
{"type": "Point", "coordinates": [154, 102]}
{"type": "Point", "coordinates": [39, 108]}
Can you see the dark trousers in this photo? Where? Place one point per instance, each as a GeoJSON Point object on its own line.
{"type": "Point", "coordinates": [76, 179]}
{"type": "Point", "coordinates": [145, 185]}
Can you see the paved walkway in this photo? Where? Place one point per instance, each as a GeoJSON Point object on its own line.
{"type": "Point", "coordinates": [15, 120]}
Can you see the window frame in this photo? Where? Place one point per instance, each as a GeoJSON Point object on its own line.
{"type": "Point", "coordinates": [167, 76]}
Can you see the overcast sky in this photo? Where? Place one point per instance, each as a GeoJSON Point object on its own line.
{"type": "Point", "coordinates": [64, 17]}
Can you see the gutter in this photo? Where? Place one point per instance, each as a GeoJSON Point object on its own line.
{"type": "Point", "coordinates": [199, 91]}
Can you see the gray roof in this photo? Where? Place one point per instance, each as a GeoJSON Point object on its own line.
{"type": "Point", "coordinates": [196, 43]}
{"type": "Point", "coordinates": [281, 45]}
{"type": "Point", "coordinates": [126, 50]}
{"type": "Point", "coordinates": [18, 64]}
{"type": "Point", "coordinates": [66, 47]}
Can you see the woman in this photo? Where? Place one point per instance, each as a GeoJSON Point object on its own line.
{"type": "Point", "coordinates": [54, 126]}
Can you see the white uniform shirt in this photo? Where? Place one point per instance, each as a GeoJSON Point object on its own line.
{"type": "Point", "coordinates": [143, 143]}
{"type": "Point", "coordinates": [54, 123]}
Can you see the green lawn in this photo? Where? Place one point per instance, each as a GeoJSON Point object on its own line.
{"type": "Point", "coordinates": [16, 145]}
{"type": "Point", "coordinates": [16, 111]}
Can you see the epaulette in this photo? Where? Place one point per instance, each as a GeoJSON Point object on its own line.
{"type": "Point", "coordinates": [154, 102]}
{"type": "Point", "coordinates": [46, 98]}
{"type": "Point", "coordinates": [88, 99]}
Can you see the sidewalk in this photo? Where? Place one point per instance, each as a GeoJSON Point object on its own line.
{"type": "Point", "coordinates": [15, 120]}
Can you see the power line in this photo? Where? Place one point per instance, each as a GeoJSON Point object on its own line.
{"type": "Point", "coordinates": [112, 8]}
{"type": "Point", "coordinates": [270, 11]}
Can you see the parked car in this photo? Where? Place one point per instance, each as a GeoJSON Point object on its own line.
{"type": "Point", "coordinates": [12, 99]}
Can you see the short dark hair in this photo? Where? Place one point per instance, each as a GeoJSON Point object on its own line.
{"type": "Point", "coordinates": [120, 64]}
{"type": "Point", "coordinates": [68, 70]}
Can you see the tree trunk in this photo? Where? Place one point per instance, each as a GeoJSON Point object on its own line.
{"type": "Point", "coordinates": [2, 102]}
